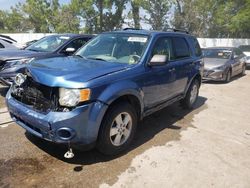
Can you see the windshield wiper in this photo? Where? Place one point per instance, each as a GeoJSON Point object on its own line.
{"type": "Point", "coordinates": [96, 58]}
{"type": "Point", "coordinates": [77, 55]}
{"type": "Point", "coordinates": [33, 50]}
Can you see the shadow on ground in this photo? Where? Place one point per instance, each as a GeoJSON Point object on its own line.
{"type": "Point", "coordinates": [147, 129]}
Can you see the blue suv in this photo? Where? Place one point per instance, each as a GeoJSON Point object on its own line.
{"type": "Point", "coordinates": [96, 97]}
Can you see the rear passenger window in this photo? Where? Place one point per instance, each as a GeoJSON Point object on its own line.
{"type": "Point", "coordinates": [181, 48]}
{"type": "Point", "coordinates": [196, 46]}
{"type": "Point", "coordinates": [163, 46]}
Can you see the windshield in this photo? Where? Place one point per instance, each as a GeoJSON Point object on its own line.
{"type": "Point", "coordinates": [217, 53]}
{"type": "Point", "coordinates": [115, 47]}
{"type": "Point", "coordinates": [48, 44]}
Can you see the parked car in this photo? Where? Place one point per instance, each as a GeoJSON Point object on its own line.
{"type": "Point", "coordinates": [222, 63]}
{"type": "Point", "coordinates": [5, 45]}
{"type": "Point", "coordinates": [248, 61]}
{"type": "Point", "coordinates": [96, 97]}
{"type": "Point", "coordinates": [11, 41]}
{"type": "Point", "coordinates": [245, 49]}
{"type": "Point", "coordinates": [12, 62]}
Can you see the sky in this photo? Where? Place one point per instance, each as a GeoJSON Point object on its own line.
{"type": "Point", "coordinates": [6, 4]}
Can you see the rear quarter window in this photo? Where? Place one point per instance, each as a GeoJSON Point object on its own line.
{"type": "Point", "coordinates": [1, 46]}
{"type": "Point", "coordinates": [181, 48]}
{"type": "Point", "coordinates": [196, 46]}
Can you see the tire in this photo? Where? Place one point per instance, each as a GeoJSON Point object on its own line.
{"type": "Point", "coordinates": [243, 70]}
{"type": "Point", "coordinates": [113, 138]}
{"type": "Point", "coordinates": [228, 76]}
{"type": "Point", "coordinates": [192, 95]}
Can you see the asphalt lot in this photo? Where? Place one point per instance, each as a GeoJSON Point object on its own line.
{"type": "Point", "coordinates": [206, 147]}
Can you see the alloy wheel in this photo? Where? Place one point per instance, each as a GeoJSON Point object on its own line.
{"type": "Point", "coordinates": [121, 129]}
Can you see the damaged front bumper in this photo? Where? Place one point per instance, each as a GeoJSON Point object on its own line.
{"type": "Point", "coordinates": [77, 127]}
{"type": "Point", "coordinates": [214, 75]}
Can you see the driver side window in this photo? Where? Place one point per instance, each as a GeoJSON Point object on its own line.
{"type": "Point", "coordinates": [163, 46]}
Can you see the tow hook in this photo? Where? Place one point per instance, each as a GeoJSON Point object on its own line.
{"type": "Point", "coordinates": [69, 154]}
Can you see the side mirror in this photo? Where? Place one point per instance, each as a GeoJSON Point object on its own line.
{"type": "Point", "coordinates": [158, 60]}
{"type": "Point", "coordinates": [69, 50]}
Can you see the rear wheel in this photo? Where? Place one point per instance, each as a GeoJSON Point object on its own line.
{"type": "Point", "coordinates": [117, 129]}
{"type": "Point", "coordinates": [192, 95]}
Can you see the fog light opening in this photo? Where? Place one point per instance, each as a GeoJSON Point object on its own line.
{"type": "Point", "coordinates": [64, 134]}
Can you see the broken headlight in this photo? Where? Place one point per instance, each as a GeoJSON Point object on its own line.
{"type": "Point", "coordinates": [71, 97]}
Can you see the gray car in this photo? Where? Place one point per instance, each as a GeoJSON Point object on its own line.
{"type": "Point", "coordinates": [222, 63]}
{"type": "Point", "coordinates": [5, 45]}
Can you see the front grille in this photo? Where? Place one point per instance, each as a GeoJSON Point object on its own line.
{"type": "Point", "coordinates": [207, 72]}
{"type": "Point", "coordinates": [42, 98]}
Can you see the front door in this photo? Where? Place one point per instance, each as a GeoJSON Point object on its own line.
{"type": "Point", "coordinates": [159, 80]}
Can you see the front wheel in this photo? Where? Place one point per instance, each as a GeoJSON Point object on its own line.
{"type": "Point", "coordinates": [191, 96]}
{"type": "Point", "coordinates": [228, 76]}
{"type": "Point", "coordinates": [117, 129]}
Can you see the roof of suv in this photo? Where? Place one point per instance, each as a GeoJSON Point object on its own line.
{"type": "Point", "coordinates": [149, 32]}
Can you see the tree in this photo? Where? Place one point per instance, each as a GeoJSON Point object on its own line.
{"type": "Point", "coordinates": [193, 16]}
{"type": "Point", "coordinates": [231, 19]}
{"type": "Point", "coordinates": [113, 18]}
{"type": "Point", "coordinates": [213, 18]}
{"type": "Point", "coordinates": [135, 11]}
{"type": "Point", "coordinates": [157, 13]}
{"type": "Point", "coordinates": [66, 21]}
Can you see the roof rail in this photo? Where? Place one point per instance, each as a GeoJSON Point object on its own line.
{"type": "Point", "coordinates": [178, 30]}
{"type": "Point", "coordinates": [128, 28]}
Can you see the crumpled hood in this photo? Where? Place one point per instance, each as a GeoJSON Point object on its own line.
{"type": "Point", "coordinates": [210, 63]}
{"type": "Point", "coordinates": [70, 72]}
{"type": "Point", "coordinates": [18, 54]}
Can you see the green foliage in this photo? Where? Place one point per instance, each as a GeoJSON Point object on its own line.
{"type": "Point", "coordinates": [157, 13]}
{"type": "Point", "coordinates": [213, 18]}
{"type": "Point", "coordinates": [203, 18]}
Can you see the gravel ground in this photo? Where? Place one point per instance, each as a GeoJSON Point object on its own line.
{"type": "Point", "coordinates": [206, 147]}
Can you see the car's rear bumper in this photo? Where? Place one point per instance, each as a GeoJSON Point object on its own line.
{"type": "Point", "coordinates": [77, 127]}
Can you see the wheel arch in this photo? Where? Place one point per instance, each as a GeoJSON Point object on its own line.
{"type": "Point", "coordinates": [124, 92]}
{"type": "Point", "coordinates": [195, 77]}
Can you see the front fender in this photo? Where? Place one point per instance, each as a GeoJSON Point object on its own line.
{"type": "Point", "coordinates": [119, 89]}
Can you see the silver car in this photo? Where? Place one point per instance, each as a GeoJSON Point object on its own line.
{"type": "Point", "coordinates": [6, 45]}
{"type": "Point", "coordinates": [222, 63]}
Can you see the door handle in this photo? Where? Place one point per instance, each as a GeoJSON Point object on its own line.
{"type": "Point", "coordinates": [172, 70]}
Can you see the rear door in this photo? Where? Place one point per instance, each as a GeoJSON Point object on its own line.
{"type": "Point", "coordinates": [183, 63]}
